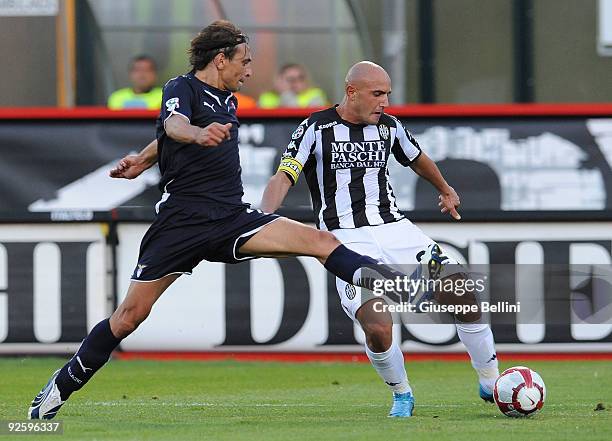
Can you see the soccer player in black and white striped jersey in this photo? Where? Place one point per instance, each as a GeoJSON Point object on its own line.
{"type": "Point", "coordinates": [343, 152]}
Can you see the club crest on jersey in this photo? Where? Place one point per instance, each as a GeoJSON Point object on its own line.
{"type": "Point", "coordinates": [298, 132]}
{"type": "Point", "coordinates": [172, 103]}
{"type": "Point", "coordinates": [384, 131]}
{"type": "Point", "coordinates": [350, 291]}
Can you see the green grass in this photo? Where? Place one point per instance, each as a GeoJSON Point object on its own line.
{"type": "Point", "coordinates": [140, 400]}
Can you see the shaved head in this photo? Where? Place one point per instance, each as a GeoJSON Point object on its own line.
{"type": "Point", "coordinates": [364, 71]}
{"type": "Point", "coordinates": [366, 93]}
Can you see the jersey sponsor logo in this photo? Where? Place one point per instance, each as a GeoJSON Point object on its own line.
{"type": "Point", "coordinates": [292, 146]}
{"type": "Point", "coordinates": [172, 104]}
{"type": "Point", "coordinates": [212, 106]}
{"type": "Point", "coordinates": [366, 154]}
{"type": "Point", "coordinates": [384, 131]}
{"type": "Point", "coordinates": [298, 132]}
{"type": "Point", "coordinates": [350, 291]}
{"type": "Point", "coordinates": [327, 126]}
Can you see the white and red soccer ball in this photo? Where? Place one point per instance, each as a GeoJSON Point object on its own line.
{"type": "Point", "coordinates": [519, 392]}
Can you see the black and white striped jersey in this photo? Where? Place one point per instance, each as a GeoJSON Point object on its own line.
{"type": "Point", "coordinates": [345, 166]}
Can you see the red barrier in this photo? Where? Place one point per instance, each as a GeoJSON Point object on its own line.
{"type": "Point", "coordinates": [331, 357]}
{"type": "Point", "coordinates": [411, 111]}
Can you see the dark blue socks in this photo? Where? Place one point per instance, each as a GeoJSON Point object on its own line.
{"type": "Point", "coordinates": [91, 356]}
{"type": "Point", "coordinates": [346, 264]}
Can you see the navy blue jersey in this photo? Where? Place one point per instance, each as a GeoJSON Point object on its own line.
{"type": "Point", "coordinates": [206, 176]}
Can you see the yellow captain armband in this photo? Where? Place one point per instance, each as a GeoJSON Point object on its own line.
{"type": "Point", "coordinates": [292, 167]}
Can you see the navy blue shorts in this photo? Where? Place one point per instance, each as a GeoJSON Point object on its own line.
{"type": "Point", "coordinates": [182, 236]}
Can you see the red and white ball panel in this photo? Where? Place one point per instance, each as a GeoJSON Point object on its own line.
{"type": "Point", "coordinates": [519, 392]}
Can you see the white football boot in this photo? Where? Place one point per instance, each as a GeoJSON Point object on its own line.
{"type": "Point", "coordinates": [48, 401]}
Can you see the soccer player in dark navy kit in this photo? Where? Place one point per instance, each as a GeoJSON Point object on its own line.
{"type": "Point", "coordinates": [201, 215]}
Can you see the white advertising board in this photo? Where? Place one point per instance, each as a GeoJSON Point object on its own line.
{"type": "Point", "coordinates": [268, 305]}
{"type": "Point", "coordinates": [53, 285]}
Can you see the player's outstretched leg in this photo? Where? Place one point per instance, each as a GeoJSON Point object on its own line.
{"type": "Point", "coordinates": [286, 237]}
{"type": "Point", "coordinates": [386, 356]}
{"type": "Point", "coordinates": [97, 347]}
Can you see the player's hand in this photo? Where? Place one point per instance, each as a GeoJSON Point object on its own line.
{"type": "Point", "coordinates": [129, 167]}
{"type": "Point", "coordinates": [449, 202]}
{"type": "Point", "coordinates": [213, 134]}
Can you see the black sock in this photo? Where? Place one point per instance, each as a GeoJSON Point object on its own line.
{"type": "Point", "coordinates": [364, 271]}
{"type": "Point", "coordinates": [91, 356]}
{"type": "Point", "coordinates": [346, 264]}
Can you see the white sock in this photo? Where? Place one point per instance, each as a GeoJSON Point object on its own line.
{"type": "Point", "coordinates": [478, 339]}
{"type": "Point", "coordinates": [390, 366]}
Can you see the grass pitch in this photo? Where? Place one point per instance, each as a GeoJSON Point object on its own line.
{"type": "Point", "coordinates": [144, 400]}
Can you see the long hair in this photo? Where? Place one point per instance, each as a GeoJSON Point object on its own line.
{"type": "Point", "coordinates": [218, 37]}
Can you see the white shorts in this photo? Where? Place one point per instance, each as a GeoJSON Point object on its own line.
{"type": "Point", "coordinates": [396, 243]}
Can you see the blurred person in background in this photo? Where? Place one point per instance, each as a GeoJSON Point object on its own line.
{"type": "Point", "coordinates": [292, 89]}
{"type": "Point", "coordinates": [143, 94]}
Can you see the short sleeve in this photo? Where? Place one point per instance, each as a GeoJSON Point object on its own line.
{"type": "Point", "coordinates": [405, 147]}
{"type": "Point", "coordinates": [177, 99]}
{"type": "Point", "coordinates": [298, 150]}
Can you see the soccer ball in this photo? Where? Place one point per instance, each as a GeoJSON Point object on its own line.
{"type": "Point", "coordinates": [519, 392]}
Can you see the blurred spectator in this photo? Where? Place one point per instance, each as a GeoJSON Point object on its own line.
{"type": "Point", "coordinates": [291, 89]}
{"type": "Point", "coordinates": [245, 101]}
{"type": "Point", "coordinates": [143, 94]}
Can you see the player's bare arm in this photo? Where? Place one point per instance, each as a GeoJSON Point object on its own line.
{"type": "Point", "coordinates": [427, 169]}
{"type": "Point", "coordinates": [275, 192]}
{"type": "Point", "coordinates": [178, 128]}
{"type": "Point", "coordinates": [132, 166]}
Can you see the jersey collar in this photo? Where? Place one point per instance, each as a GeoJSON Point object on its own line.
{"type": "Point", "coordinates": [344, 122]}
{"type": "Point", "coordinates": [222, 94]}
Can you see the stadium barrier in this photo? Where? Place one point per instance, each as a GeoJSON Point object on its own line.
{"type": "Point", "coordinates": [536, 185]}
